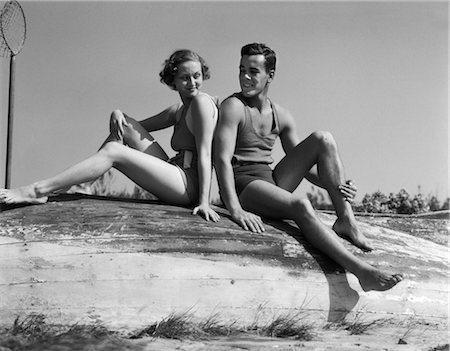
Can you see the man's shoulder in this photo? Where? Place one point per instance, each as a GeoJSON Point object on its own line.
{"type": "Point", "coordinates": [279, 109]}
{"type": "Point", "coordinates": [232, 110]}
{"type": "Point", "coordinates": [233, 99]}
{"type": "Point", "coordinates": [233, 103]}
{"type": "Point", "coordinates": [284, 115]}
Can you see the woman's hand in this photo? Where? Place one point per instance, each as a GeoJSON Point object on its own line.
{"type": "Point", "coordinates": [116, 124]}
{"type": "Point", "coordinates": [206, 212]}
{"type": "Point", "coordinates": [348, 191]}
{"type": "Point", "coordinates": [248, 221]}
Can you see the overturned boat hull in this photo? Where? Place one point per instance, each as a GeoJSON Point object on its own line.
{"type": "Point", "coordinates": [129, 264]}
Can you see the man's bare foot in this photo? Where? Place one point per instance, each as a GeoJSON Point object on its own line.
{"type": "Point", "coordinates": [350, 231]}
{"type": "Point", "coordinates": [374, 279]}
{"type": "Point", "coordinates": [26, 194]}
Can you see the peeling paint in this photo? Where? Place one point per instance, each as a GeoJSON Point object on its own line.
{"type": "Point", "coordinates": [141, 259]}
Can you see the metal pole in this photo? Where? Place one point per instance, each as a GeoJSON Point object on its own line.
{"type": "Point", "coordinates": [10, 122]}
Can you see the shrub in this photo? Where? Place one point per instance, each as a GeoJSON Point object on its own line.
{"type": "Point", "coordinates": [375, 203]}
{"type": "Point", "coordinates": [319, 199]}
{"type": "Point", "coordinates": [378, 202]}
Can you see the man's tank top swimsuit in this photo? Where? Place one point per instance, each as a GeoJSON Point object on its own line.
{"type": "Point", "coordinates": [251, 146]}
{"type": "Point", "coordinates": [253, 152]}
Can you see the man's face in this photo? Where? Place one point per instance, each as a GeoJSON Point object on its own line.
{"type": "Point", "coordinates": [253, 77]}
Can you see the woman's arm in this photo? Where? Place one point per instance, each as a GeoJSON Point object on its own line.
{"type": "Point", "coordinates": [204, 120]}
{"type": "Point", "coordinates": [162, 120]}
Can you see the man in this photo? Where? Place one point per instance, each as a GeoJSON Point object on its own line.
{"type": "Point", "coordinates": [249, 123]}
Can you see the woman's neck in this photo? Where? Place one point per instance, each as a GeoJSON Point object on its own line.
{"type": "Point", "coordinates": [186, 101]}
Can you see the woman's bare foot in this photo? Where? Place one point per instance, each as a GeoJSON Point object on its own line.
{"type": "Point", "coordinates": [374, 279]}
{"type": "Point", "coordinates": [349, 231]}
{"type": "Point", "coordinates": [26, 194]}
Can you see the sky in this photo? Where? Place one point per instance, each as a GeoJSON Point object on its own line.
{"type": "Point", "coordinates": [374, 74]}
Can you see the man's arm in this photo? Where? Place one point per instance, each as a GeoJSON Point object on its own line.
{"type": "Point", "coordinates": [224, 145]}
{"type": "Point", "coordinates": [289, 140]}
{"type": "Point", "coordinates": [230, 115]}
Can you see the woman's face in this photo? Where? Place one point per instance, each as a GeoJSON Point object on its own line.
{"type": "Point", "coordinates": [188, 79]}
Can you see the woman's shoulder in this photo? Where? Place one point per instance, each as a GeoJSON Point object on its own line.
{"type": "Point", "coordinates": [205, 101]}
{"type": "Point", "coordinates": [204, 97]}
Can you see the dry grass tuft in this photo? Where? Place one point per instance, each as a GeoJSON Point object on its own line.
{"type": "Point", "coordinates": [33, 333]}
{"type": "Point", "coordinates": [289, 325]}
{"type": "Point", "coordinates": [357, 325]}
{"type": "Point", "coordinates": [174, 326]}
{"type": "Point", "coordinates": [445, 347]}
{"type": "Point", "coordinates": [182, 326]}
{"type": "Point", "coordinates": [213, 326]}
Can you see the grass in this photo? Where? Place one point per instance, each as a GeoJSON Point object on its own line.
{"type": "Point", "coordinates": [183, 326]}
{"type": "Point", "coordinates": [289, 325]}
{"type": "Point", "coordinates": [34, 333]}
{"type": "Point", "coordinates": [357, 325]}
{"type": "Point", "coordinates": [175, 326]}
{"type": "Point", "coordinates": [416, 328]}
{"type": "Point", "coordinates": [445, 347]}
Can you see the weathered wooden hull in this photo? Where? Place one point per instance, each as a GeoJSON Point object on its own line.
{"type": "Point", "coordinates": [129, 264]}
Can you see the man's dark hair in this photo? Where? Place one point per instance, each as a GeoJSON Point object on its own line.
{"type": "Point", "coordinates": [261, 49]}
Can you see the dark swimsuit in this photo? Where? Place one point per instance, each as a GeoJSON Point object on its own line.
{"type": "Point", "coordinates": [183, 141]}
{"type": "Point", "coordinates": [252, 155]}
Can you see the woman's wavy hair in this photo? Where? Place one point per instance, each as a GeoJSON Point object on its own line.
{"type": "Point", "coordinates": [170, 68]}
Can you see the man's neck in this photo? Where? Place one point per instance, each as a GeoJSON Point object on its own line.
{"type": "Point", "coordinates": [259, 101]}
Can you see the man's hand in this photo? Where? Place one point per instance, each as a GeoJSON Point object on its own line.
{"type": "Point", "coordinates": [348, 191]}
{"type": "Point", "coordinates": [248, 221]}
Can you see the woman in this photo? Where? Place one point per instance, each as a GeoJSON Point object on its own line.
{"type": "Point", "coordinates": [183, 180]}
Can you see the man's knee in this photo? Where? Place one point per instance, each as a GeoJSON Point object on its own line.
{"type": "Point", "coordinates": [302, 207]}
{"type": "Point", "coordinates": [324, 139]}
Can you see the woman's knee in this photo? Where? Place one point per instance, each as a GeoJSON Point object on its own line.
{"type": "Point", "coordinates": [111, 150]}
{"type": "Point", "coordinates": [325, 139]}
{"type": "Point", "coordinates": [135, 135]}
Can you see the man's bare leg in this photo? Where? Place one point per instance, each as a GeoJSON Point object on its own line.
{"type": "Point", "coordinates": [320, 149]}
{"type": "Point", "coordinates": [270, 201]}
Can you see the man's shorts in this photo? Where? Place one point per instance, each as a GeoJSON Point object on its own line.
{"type": "Point", "coordinates": [246, 173]}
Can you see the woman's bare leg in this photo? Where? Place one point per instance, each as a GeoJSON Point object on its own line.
{"type": "Point", "coordinates": [278, 203]}
{"type": "Point", "coordinates": [136, 137]}
{"type": "Point", "coordinates": [320, 149]}
{"type": "Point", "coordinates": [152, 173]}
